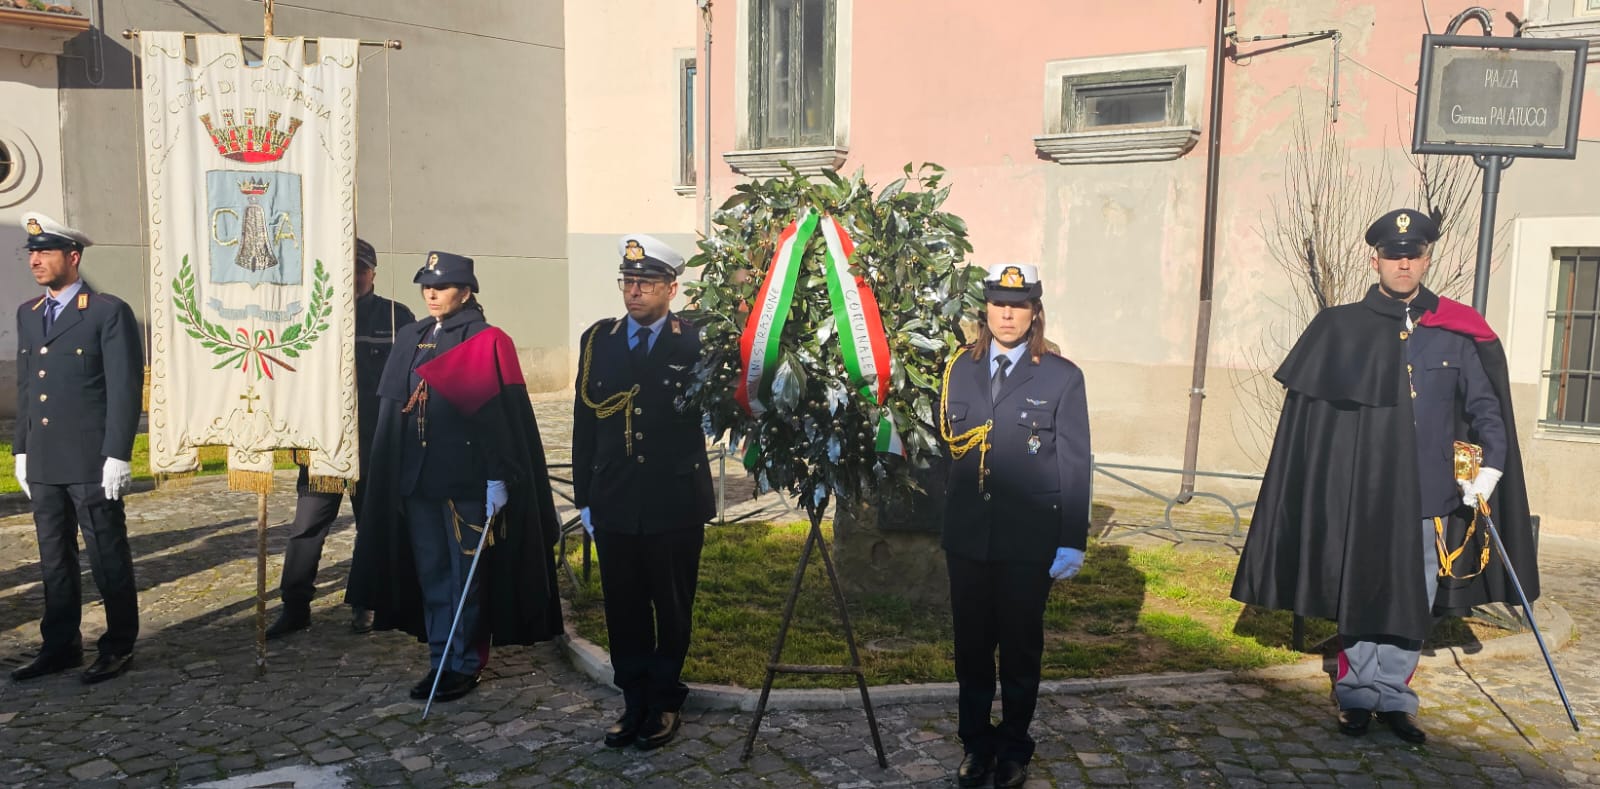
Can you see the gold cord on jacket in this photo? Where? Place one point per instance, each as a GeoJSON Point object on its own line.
{"type": "Point", "coordinates": [419, 397]}
{"type": "Point", "coordinates": [457, 520]}
{"type": "Point", "coordinates": [621, 401]}
{"type": "Point", "coordinates": [962, 444]}
{"type": "Point", "coordinates": [1447, 557]}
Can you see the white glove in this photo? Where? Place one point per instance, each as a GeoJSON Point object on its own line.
{"type": "Point", "coordinates": [588, 525]}
{"type": "Point", "coordinates": [22, 474]}
{"type": "Point", "coordinates": [115, 478]}
{"type": "Point", "coordinates": [1481, 485]}
{"type": "Point", "coordinates": [494, 499]}
{"type": "Point", "coordinates": [1068, 562]}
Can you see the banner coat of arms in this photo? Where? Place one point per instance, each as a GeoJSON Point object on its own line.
{"type": "Point", "coordinates": [250, 169]}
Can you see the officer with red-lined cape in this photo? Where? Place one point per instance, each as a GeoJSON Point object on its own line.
{"type": "Point", "coordinates": [457, 450]}
{"type": "Point", "coordinates": [1361, 519]}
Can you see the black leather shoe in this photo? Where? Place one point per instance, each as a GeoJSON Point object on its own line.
{"type": "Point", "coordinates": [1009, 774]}
{"type": "Point", "coordinates": [47, 664]}
{"type": "Point", "coordinates": [290, 619]}
{"type": "Point", "coordinates": [975, 770]}
{"type": "Point", "coordinates": [626, 729]}
{"type": "Point", "coordinates": [657, 730]}
{"type": "Point", "coordinates": [1353, 722]}
{"type": "Point", "coordinates": [453, 685]}
{"type": "Point", "coordinates": [106, 667]}
{"type": "Point", "coordinates": [361, 620]}
{"type": "Point", "coordinates": [420, 690]}
{"type": "Point", "coordinates": [1404, 725]}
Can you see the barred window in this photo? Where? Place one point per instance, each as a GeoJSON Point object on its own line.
{"type": "Point", "coordinates": [792, 72]}
{"type": "Point", "coordinates": [1572, 374]}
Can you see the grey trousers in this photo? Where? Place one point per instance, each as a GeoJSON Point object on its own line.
{"type": "Point", "coordinates": [1376, 675]}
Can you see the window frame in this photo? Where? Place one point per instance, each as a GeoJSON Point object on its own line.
{"type": "Point", "coordinates": [1075, 86]}
{"type": "Point", "coordinates": [1553, 370]}
{"type": "Point", "coordinates": [760, 48]}
{"type": "Point", "coordinates": [688, 100]}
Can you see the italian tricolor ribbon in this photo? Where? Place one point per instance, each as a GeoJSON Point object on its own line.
{"type": "Point", "coordinates": [857, 320]}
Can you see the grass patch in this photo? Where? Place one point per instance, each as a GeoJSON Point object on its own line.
{"type": "Point", "coordinates": [1131, 610]}
{"type": "Point", "coordinates": [213, 460]}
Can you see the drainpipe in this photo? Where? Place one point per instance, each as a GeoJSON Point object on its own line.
{"type": "Point", "coordinates": [705, 101]}
{"type": "Point", "coordinates": [1208, 256]}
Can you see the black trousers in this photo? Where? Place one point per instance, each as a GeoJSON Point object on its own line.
{"type": "Point", "coordinates": [60, 513]}
{"type": "Point", "coordinates": [649, 582]}
{"type": "Point", "coordinates": [998, 604]}
{"type": "Point", "coordinates": [314, 514]}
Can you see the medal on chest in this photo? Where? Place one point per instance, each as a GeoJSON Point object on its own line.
{"type": "Point", "coordinates": [1033, 444]}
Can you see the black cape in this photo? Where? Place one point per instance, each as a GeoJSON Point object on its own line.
{"type": "Point", "coordinates": [1334, 533]}
{"type": "Point", "coordinates": [477, 371]}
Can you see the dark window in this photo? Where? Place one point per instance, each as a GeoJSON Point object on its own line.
{"type": "Point", "coordinates": [1122, 99]}
{"type": "Point", "coordinates": [791, 73]}
{"type": "Point", "coordinates": [1572, 377]}
{"type": "Point", "coordinates": [686, 130]}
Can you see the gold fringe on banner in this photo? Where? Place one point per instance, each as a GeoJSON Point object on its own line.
{"type": "Point", "coordinates": [250, 481]}
{"type": "Point", "coordinates": [321, 484]}
{"type": "Point", "coordinates": [300, 457]}
{"type": "Point", "coordinates": [176, 479]}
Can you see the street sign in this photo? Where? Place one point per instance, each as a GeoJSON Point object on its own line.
{"type": "Point", "coordinates": [1499, 96]}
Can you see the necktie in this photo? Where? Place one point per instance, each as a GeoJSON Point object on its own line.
{"type": "Point", "coordinates": [641, 344]}
{"type": "Point", "coordinates": [50, 307]}
{"type": "Point", "coordinates": [999, 380]}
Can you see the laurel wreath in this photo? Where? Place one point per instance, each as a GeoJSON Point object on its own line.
{"type": "Point", "coordinates": [260, 350]}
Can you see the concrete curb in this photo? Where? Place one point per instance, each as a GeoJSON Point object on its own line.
{"type": "Point", "coordinates": [594, 662]}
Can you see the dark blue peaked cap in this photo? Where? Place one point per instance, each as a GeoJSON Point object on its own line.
{"type": "Point", "coordinates": [445, 268]}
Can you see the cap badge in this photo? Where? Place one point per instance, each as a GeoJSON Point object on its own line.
{"type": "Point", "coordinates": [633, 251]}
{"type": "Point", "coordinates": [1011, 277]}
{"type": "Point", "coordinates": [33, 226]}
{"type": "Point", "coordinates": [1403, 222]}
{"type": "Point", "coordinates": [433, 262]}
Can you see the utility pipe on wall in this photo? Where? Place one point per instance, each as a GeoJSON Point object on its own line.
{"type": "Point", "coordinates": [1208, 255]}
{"type": "Point", "coordinates": [705, 101]}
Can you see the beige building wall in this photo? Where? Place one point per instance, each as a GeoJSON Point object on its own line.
{"type": "Point", "coordinates": [30, 134]}
{"type": "Point", "coordinates": [624, 127]}
{"type": "Point", "coordinates": [462, 147]}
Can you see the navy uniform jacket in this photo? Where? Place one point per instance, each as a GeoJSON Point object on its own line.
{"type": "Point", "coordinates": [78, 389]}
{"type": "Point", "coordinates": [665, 484]}
{"type": "Point", "coordinates": [437, 460]}
{"type": "Point", "coordinates": [377, 319]}
{"type": "Point", "coordinates": [1444, 366]}
{"type": "Point", "coordinates": [1031, 503]}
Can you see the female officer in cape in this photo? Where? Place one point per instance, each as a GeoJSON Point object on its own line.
{"type": "Point", "coordinates": [1016, 514]}
{"type": "Point", "coordinates": [456, 450]}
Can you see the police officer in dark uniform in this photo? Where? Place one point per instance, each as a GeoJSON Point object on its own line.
{"type": "Point", "coordinates": [643, 486]}
{"type": "Point", "coordinates": [1445, 375]}
{"type": "Point", "coordinates": [315, 510]}
{"type": "Point", "coordinates": [80, 371]}
{"type": "Point", "coordinates": [1016, 514]}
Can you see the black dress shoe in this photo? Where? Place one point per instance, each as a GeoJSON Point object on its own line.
{"type": "Point", "coordinates": [626, 729]}
{"type": "Point", "coordinates": [1404, 725]}
{"type": "Point", "coordinates": [106, 667]}
{"type": "Point", "coordinates": [1009, 773]}
{"type": "Point", "coordinates": [453, 685]}
{"type": "Point", "coordinates": [975, 770]}
{"type": "Point", "coordinates": [46, 664]}
{"type": "Point", "coordinates": [1353, 722]}
{"type": "Point", "coordinates": [657, 730]}
{"type": "Point", "coordinates": [361, 620]}
{"type": "Point", "coordinates": [290, 619]}
{"type": "Point", "coordinates": [420, 690]}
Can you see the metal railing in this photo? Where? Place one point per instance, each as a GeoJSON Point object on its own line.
{"type": "Point", "coordinates": [1109, 470]}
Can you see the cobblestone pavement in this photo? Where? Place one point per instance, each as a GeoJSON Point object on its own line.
{"type": "Point", "coordinates": [330, 709]}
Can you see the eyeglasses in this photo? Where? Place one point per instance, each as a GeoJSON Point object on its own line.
{"type": "Point", "coordinates": [648, 287]}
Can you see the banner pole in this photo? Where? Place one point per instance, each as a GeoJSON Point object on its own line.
{"type": "Point", "coordinates": [261, 583]}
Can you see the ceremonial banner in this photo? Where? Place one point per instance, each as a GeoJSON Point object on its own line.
{"type": "Point", "coordinates": [250, 171]}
